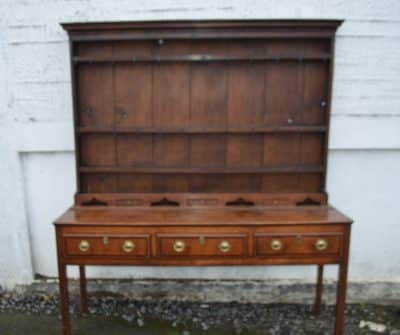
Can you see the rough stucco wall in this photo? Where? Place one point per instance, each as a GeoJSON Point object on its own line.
{"type": "Point", "coordinates": [36, 141]}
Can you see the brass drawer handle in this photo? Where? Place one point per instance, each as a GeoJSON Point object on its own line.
{"type": "Point", "coordinates": [224, 246]}
{"type": "Point", "coordinates": [179, 246]}
{"type": "Point", "coordinates": [321, 245]}
{"type": "Point", "coordinates": [84, 245]}
{"type": "Point", "coordinates": [276, 245]}
{"type": "Point", "coordinates": [128, 246]}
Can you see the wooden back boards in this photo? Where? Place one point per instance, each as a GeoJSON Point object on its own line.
{"type": "Point", "coordinates": [201, 113]}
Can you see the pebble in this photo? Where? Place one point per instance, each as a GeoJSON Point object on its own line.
{"type": "Point", "coordinates": [376, 327]}
{"type": "Point", "coordinates": [288, 319]}
{"type": "Point", "coordinates": [128, 318]}
{"type": "Point", "coordinates": [204, 326]}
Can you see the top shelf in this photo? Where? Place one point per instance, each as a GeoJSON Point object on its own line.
{"type": "Point", "coordinates": [202, 58]}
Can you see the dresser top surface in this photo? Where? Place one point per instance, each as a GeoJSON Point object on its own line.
{"type": "Point", "coordinates": [203, 216]}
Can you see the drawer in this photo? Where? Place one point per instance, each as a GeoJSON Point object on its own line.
{"type": "Point", "coordinates": [202, 245]}
{"type": "Point", "coordinates": [298, 244]}
{"type": "Point", "coordinates": [107, 245]}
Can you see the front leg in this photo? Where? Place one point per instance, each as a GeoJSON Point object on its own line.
{"type": "Point", "coordinates": [341, 299]}
{"type": "Point", "coordinates": [342, 286]}
{"type": "Point", "coordinates": [64, 300]}
{"type": "Point", "coordinates": [83, 290]}
{"type": "Point", "coordinates": [319, 290]}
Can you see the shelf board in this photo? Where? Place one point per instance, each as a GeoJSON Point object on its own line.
{"type": "Point", "coordinates": [202, 170]}
{"type": "Point", "coordinates": [286, 129]}
{"type": "Point", "coordinates": [202, 58]}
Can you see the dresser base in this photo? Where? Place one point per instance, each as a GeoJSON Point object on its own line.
{"type": "Point", "coordinates": [203, 237]}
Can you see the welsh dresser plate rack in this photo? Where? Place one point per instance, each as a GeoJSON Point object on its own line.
{"type": "Point", "coordinates": [202, 143]}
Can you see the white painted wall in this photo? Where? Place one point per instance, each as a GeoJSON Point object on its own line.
{"type": "Point", "coordinates": [36, 142]}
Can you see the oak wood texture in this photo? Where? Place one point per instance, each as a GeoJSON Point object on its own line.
{"type": "Point", "coordinates": [297, 244]}
{"type": "Point", "coordinates": [207, 107]}
{"type": "Point", "coordinates": [202, 245]}
{"type": "Point", "coordinates": [202, 143]}
{"type": "Point", "coordinates": [319, 290]}
{"type": "Point", "coordinates": [199, 200]}
{"type": "Point", "coordinates": [83, 291]}
{"type": "Point", "coordinates": [248, 231]}
{"type": "Point", "coordinates": [108, 245]}
{"type": "Point", "coordinates": [201, 217]}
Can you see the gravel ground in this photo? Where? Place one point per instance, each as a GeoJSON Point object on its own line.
{"type": "Point", "coordinates": [187, 318]}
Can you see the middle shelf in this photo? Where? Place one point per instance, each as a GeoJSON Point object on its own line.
{"type": "Point", "coordinates": [199, 130]}
{"type": "Point", "coordinates": [208, 170]}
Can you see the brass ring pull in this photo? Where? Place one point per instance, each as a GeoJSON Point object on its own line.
{"type": "Point", "coordinates": [224, 246]}
{"type": "Point", "coordinates": [128, 246]}
{"type": "Point", "coordinates": [179, 246]}
{"type": "Point", "coordinates": [321, 245]}
{"type": "Point", "coordinates": [84, 245]}
{"type": "Point", "coordinates": [276, 245]}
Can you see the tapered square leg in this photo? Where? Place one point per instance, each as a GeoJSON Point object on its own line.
{"type": "Point", "coordinates": [83, 290]}
{"type": "Point", "coordinates": [319, 290]}
{"type": "Point", "coordinates": [342, 286]}
{"type": "Point", "coordinates": [341, 300]}
{"type": "Point", "coordinates": [64, 299]}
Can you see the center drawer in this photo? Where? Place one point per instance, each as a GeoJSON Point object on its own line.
{"type": "Point", "coordinates": [107, 245]}
{"type": "Point", "coordinates": [170, 245]}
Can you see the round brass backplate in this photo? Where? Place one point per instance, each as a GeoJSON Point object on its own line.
{"type": "Point", "coordinates": [84, 245]}
{"type": "Point", "coordinates": [321, 245]}
{"type": "Point", "coordinates": [276, 245]}
{"type": "Point", "coordinates": [224, 246]}
{"type": "Point", "coordinates": [128, 246]}
{"type": "Point", "coordinates": [179, 246]}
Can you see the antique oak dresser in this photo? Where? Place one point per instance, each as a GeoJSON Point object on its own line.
{"type": "Point", "coordinates": [202, 143]}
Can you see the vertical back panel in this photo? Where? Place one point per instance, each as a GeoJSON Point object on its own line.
{"type": "Point", "coordinates": [215, 114]}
